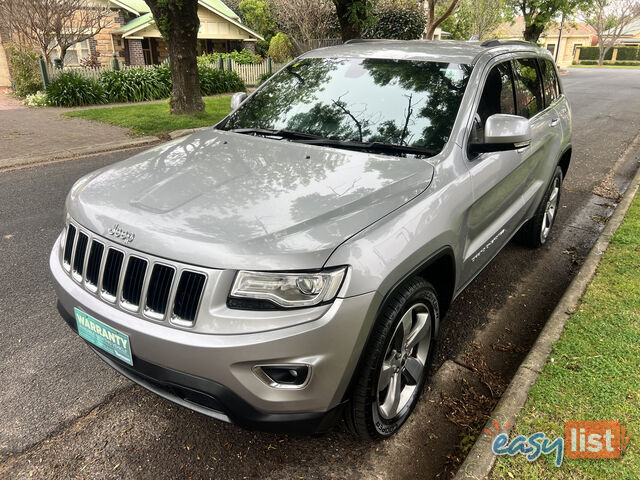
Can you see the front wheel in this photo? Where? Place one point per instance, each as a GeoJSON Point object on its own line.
{"type": "Point", "coordinates": [393, 372]}
{"type": "Point", "coordinates": [536, 231]}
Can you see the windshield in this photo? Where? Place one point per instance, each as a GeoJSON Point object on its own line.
{"type": "Point", "coordinates": [398, 102]}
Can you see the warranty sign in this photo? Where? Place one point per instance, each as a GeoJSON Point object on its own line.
{"type": "Point", "coordinates": [104, 337]}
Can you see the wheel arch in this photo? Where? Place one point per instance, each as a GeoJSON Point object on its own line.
{"type": "Point", "coordinates": [437, 267]}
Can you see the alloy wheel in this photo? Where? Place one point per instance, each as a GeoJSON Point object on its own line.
{"type": "Point", "coordinates": [403, 365]}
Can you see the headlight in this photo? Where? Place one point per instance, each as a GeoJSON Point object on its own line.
{"type": "Point", "coordinates": [289, 289]}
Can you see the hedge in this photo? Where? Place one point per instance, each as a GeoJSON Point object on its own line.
{"type": "Point", "coordinates": [628, 53]}
{"type": "Point", "coordinates": [593, 53]}
{"type": "Point", "coordinates": [70, 89]}
{"type": "Point", "coordinates": [624, 53]}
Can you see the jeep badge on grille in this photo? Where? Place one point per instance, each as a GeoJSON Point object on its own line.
{"type": "Point", "coordinates": [119, 233]}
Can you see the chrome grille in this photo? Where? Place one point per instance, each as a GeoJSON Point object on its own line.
{"type": "Point", "coordinates": [92, 274]}
{"type": "Point", "coordinates": [159, 289]}
{"type": "Point", "coordinates": [188, 296]}
{"type": "Point", "coordinates": [129, 279]}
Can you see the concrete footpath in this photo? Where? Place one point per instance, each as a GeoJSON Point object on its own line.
{"type": "Point", "coordinates": [30, 135]}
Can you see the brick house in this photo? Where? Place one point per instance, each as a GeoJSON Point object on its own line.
{"type": "Point", "coordinates": [134, 39]}
{"type": "Point", "coordinates": [561, 45]}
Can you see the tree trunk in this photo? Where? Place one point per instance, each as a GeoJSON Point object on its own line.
{"type": "Point", "coordinates": [532, 32]}
{"type": "Point", "coordinates": [347, 28]}
{"type": "Point", "coordinates": [178, 22]}
{"type": "Point", "coordinates": [186, 96]}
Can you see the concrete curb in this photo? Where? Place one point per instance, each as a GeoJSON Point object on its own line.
{"type": "Point", "coordinates": [185, 131]}
{"type": "Point", "coordinates": [15, 163]}
{"type": "Point", "coordinates": [481, 459]}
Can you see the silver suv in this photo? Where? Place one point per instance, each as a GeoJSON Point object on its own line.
{"type": "Point", "coordinates": [293, 262]}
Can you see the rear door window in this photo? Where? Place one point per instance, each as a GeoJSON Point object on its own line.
{"type": "Point", "coordinates": [550, 81]}
{"type": "Point", "coordinates": [529, 99]}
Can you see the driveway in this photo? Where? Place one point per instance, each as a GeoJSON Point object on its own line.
{"type": "Point", "coordinates": [66, 415]}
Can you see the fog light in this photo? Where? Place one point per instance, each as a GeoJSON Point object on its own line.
{"type": "Point", "coordinates": [283, 376]}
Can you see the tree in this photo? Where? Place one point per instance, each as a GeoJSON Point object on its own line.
{"type": "Point", "coordinates": [178, 23]}
{"type": "Point", "coordinates": [48, 24]}
{"type": "Point", "coordinates": [609, 19]}
{"type": "Point", "coordinates": [437, 12]}
{"type": "Point", "coordinates": [397, 19]}
{"type": "Point", "coordinates": [305, 20]}
{"type": "Point", "coordinates": [538, 14]}
{"type": "Point", "coordinates": [476, 19]}
{"type": "Point", "coordinates": [257, 15]}
{"type": "Point", "coordinates": [353, 16]}
{"type": "Point", "coordinates": [76, 21]}
{"type": "Point", "coordinates": [29, 22]}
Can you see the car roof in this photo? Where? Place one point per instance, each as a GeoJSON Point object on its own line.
{"type": "Point", "coordinates": [450, 51]}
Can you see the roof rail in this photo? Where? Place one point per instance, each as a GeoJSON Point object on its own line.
{"type": "Point", "coordinates": [497, 42]}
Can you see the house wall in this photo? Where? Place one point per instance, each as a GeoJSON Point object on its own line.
{"type": "Point", "coordinates": [5, 78]}
{"type": "Point", "coordinates": [566, 47]}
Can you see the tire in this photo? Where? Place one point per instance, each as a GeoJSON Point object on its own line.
{"type": "Point", "coordinates": [372, 412]}
{"type": "Point", "coordinates": [536, 231]}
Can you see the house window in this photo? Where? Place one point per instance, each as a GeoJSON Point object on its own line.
{"type": "Point", "coordinates": [551, 47]}
{"type": "Point", "coordinates": [75, 53]}
{"type": "Point", "coordinates": [575, 45]}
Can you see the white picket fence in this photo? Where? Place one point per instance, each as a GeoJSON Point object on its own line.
{"type": "Point", "coordinates": [250, 73]}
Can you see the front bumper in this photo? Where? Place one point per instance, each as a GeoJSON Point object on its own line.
{"type": "Point", "coordinates": [213, 374]}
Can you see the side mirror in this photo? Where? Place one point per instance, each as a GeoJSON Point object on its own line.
{"type": "Point", "coordinates": [236, 99]}
{"type": "Point", "coordinates": [504, 132]}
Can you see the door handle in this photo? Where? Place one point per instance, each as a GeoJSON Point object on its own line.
{"type": "Point", "coordinates": [554, 122]}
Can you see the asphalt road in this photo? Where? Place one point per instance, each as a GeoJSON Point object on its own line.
{"type": "Point", "coordinates": [63, 413]}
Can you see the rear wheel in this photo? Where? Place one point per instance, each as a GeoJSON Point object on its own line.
{"type": "Point", "coordinates": [536, 231]}
{"type": "Point", "coordinates": [393, 373]}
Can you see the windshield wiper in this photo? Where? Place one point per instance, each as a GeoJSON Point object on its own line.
{"type": "Point", "coordinates": [282, 132]}
{"type": "Point", "coordinates": [380, 147]}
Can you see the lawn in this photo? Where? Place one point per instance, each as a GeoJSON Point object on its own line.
{"type": "Point", "coordinates": [154, 118]}
{"type": "Point", "coordinates": [593, 372]}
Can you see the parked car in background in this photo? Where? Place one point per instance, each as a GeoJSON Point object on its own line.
{"type": "Point", "coordinates": [293, 263]}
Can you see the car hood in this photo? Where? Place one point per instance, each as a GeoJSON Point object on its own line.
{"type": "Point", "coordinates": [225, 200]}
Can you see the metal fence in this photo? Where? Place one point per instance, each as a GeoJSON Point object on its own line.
{"type": "Point", "coordinates": [250, 73]}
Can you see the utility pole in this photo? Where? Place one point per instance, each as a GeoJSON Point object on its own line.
{"type": "Point", "coordinates": [559, 37]}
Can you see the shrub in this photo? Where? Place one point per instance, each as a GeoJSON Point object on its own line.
{"type": "Point", "coordinates": [243, 56]}
{"type": "Point", "coordinates": [90, 61]}
{"type": "Point", "coordinates": [136, 84]}
{"type": "Point", "coordinates": [280, 48]}
{"type": "Point", "coordinates": [25, 70]}
{"type": "Point", "coordinates": [214, 81]}
{"type": "Point", "coordinates": [397, 19]}
{"type": "Point", "coordinates": [263, 78]}
{"type": "Point", "coordinates": [38, 99]}
{"type": "Point", "coordinates": [70, 89]}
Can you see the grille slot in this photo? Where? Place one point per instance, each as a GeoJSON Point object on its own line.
{"type": "Point", "coordinates": [188, 296]}
{"type": "Point", "coordinates": [111, 275]}
{"type": "Point", "coordinates": [158, 291]}
{"type": "Point", "coordinates": [133, 282]}
{"type": "Point", "coordinates": [68, 246]}
{"type": "Point", "coordinates": [81, 251]}
{"type": "Point", "coordinates": [93, 264]}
